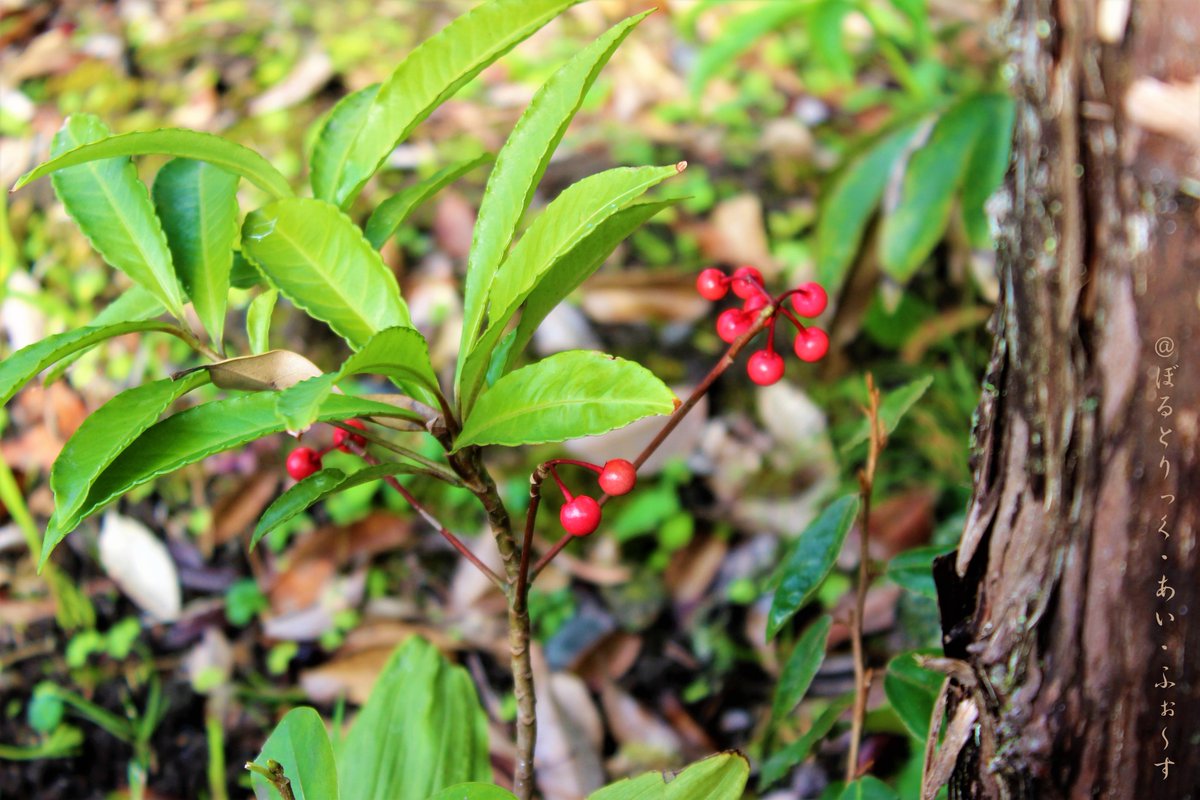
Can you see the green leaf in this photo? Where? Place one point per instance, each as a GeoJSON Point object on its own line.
{"type": "Point", "coordinates": [801, 668]}
{"type": "Point", "coordinates": [132, 305]}
{"type": "Point", "coordinates": [301, 745]}
{"type": "Point", "coordinates": [474, 791]}
{"type": "Point", "coordinates": [197, 204]}
{"type": "Point", "coordinates": [568, 395]}
{"type": "Point", "coordinates": [987, 166]}
{"type": "Point", "coordinates": [850, 202]}
{"type": "Point", "coordinates": [244, 275]}
{"type": "Point", "coordinates": [112, 207]}
{"type": "Point", "coordinates": [421, 730]}
{"type": "Point", "coordinates": [316, 488]}
{"type": "Point", "coordinates": [740, 34]}
{"type": "Point", "coordinates": [569, 272]}
{"type": "Point", "coordinates": [335, 139]}
{"type": "Point", "coordinates": [100, 145]}
{"type": "Point", "coordinates": [258, 320]}
{"type": "Point", "coordinates": [569, 219]}
{"type": "Point", "coordinates": [195, 434]}
{"type": "Point", "coordinates": [23, 365]}
{"type": "Point", "coordinates": [521, 164]}
{"type": "Point", "coordinates": [391, 213]}
{"type": "Point", "coordinates": [892, 408]}
{"type": "Point", "coordinates": [319, 260]}
{"type": "Point", "coordinates": [782, 761]}
{"type": "Point", "coordinates": [913, 569]}
{"type": "Point", "coordinates": [811, 559]}
{"type": "Point", "coordinates": [912, 692]}
{"type": "Point", "coordinates": [719, 777]}
{"type": "Point", "coordinates": [931, 180]}
{"type": "Point", "coordinates": [828, 45]}
{"type": "Point", "coordinates": [432, 72]}
{"type": "Point", "coordinates": [868, 787]}
{"type": "Point", "coordinates": [105, 433]}
{"type": "Point", "coordinates": [397, 353]}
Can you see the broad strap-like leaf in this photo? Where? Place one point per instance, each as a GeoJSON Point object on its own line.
{"type": "Point", "coordinates": [568, 395]}
{"type": "Point", "coordinates": [782, 761]}
{"type": "Point", "coordinates": [987, 166]}
{"type": "Point", "coordinates": [175, 142]}
{"type": "Point", "coordinates": [473, 791]}
{"type": "Point", "coordinates": [421, 730]}
{"type": "Point", "coordinates": [258, 320]}
{"type": "Point", "coordinates": [431, 73]}
{"type": "Point", "coordinates": [335, 140]}
{"type": "Point", "coordinates": [740, 34]}
{"type": "Point", "coordinates": [521, 164]}
{"type": "Point", "coordinates": [318, 258]}
{"type": "Point", "coordinates": [932, 178]}
{"type": "Point", "coordinates": [719, 777]}
{"type": "Point", "coordinates": [568, 220]}
{"type": "Point", "coordinates": [105, 433]}
{"type": "Point", "coordinates": [391, 213]}
{"type": "Point", "coordinates": [849, 203]}
{"type": "Point", "coordinates": [812, 558]}
{"type": "Point", "coordinates": [300, 744]}
{"type": "Point", "coordinates": [317, 487]}
{"type": "Point", "coordinates": [24, 365]}
{"type": "Point", "coordinates": [912, 692]}
{"type": "Point", "coordinates": [197, 204]}
{"type": "Point", "coordinates": [112, 207]}
{"type": "Point", "coordinates": [195, 434]}
{"type": "Point", "coordinates": [397, 353]}
{"type": "Point", "coordinates": [801, 668]}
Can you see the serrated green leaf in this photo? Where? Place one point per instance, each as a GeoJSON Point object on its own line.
{"type": "Point", "coordinates": [101, 145]}
{"type": "Point", "coordinates": [391, 213]}
{"type": "Point", "coordinates": [474, 791]}
{"type": "Point", "coordinates": [782, 761]}
{"type": "Point", "coordinates": [195, 434]}
{"type": "Point", "coordinates": [133, 305]}
{"type": "Point", "coordinates": [913, 569]}
{"type": "Point", "coordinates": [849, 204]}
{"type": "Point", "coordinates": [811, 559]}
{"type": "Point", "coordinates": [316, 488]}
{"type": "Point", "coordinates": [719, 777]}
{"type": "Point", "coordinates": [521, 164]}
{"type": "Point", "coordinates": [567, 221]}
{"type": "Point", "coordinates": [105, 433]}
{"type": "Point", "coordinates": [319, 260]}
{"type": "Point", "coordinates": [432, 72]}
{"type": "Point", "coordinates": [244, 275]}
{"type": "Point", "coordinates": [932, 178]}
{"type": "Point", "coordinates": [24, 365]}
{"type": "Point", "coordinates": [892, 408]}
{"type": "Point", "coordinates": [421, 730]}
{"type": "Point", "coordinates": [987, 166]}
{"type": "Point", "coordinates": [335, 139]}
{"type": "Point", "coordinates": [912, 692]}
{"type": "Point", "coordinates": [197, 204]}
{"type": "Point", "coordinates": [258, 320]}
{"type": "Point", "coordinates": [112, 207]}
{"type": "Point", "coordinates": [868, 787]}
{"type": "Point", "coordinates": [301, 745]}
{"type": "Point", "coordinates": [801, 668]}
{"type": "Point", "coordinates": [568, 395]}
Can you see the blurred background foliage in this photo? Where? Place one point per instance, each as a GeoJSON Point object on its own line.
{"type": "Point", "coordinates": [850, 141]}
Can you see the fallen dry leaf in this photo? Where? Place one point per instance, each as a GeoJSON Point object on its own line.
{"type": "Point", "coordinates": [140, 566]}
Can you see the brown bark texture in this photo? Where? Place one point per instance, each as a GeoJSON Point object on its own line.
{"type": "Point", "coordinates": [1087, 481]}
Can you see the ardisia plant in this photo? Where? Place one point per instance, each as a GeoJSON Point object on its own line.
{"type": "Point", "coordinates": [183, 242]}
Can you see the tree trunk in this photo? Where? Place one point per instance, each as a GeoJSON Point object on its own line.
{"type": "Point", "coordinates": [1085, 453]}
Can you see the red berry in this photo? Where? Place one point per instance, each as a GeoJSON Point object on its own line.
{"type": "Point", "coordinates": [732, 323]}
{"type": "Point", "coordinates": [765, 367]}
{"type": "Point", "coordinates": [747, 282]}
{"type": "Point", "coordinates": [812, 344]}
{"type": "Point", "coordinates": [341, 437]}
{"type": "Point", "coordinates": [618, 477]}
{"type": "Point", "coordinates": [302, 462]}
{"type": "Point", "coordinates": [712, 284]}
{"type": "Point", "coordinates": [810, 300]}
{"type": "Point", "coordinates": [755, 304]}
{"type": "Point", "coordinates": [580, 516]}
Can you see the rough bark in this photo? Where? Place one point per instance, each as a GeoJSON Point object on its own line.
{"type": "Point", "coordinates": [1051, 597]}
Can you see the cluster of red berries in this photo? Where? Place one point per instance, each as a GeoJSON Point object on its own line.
{"type": "Point", "coordinates": [580, 514]}
{"type": "Point", "coordinates": [305, 461]}
{"type": "Point", "coordinates": [807, 300]}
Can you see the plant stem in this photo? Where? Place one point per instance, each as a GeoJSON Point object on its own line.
{"type": "Point", "coordinates": [273, 772]}
{"type": "Point", "coordinates": [435, 470]}
{"type": "Point", "coordinates": [866, 484]}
